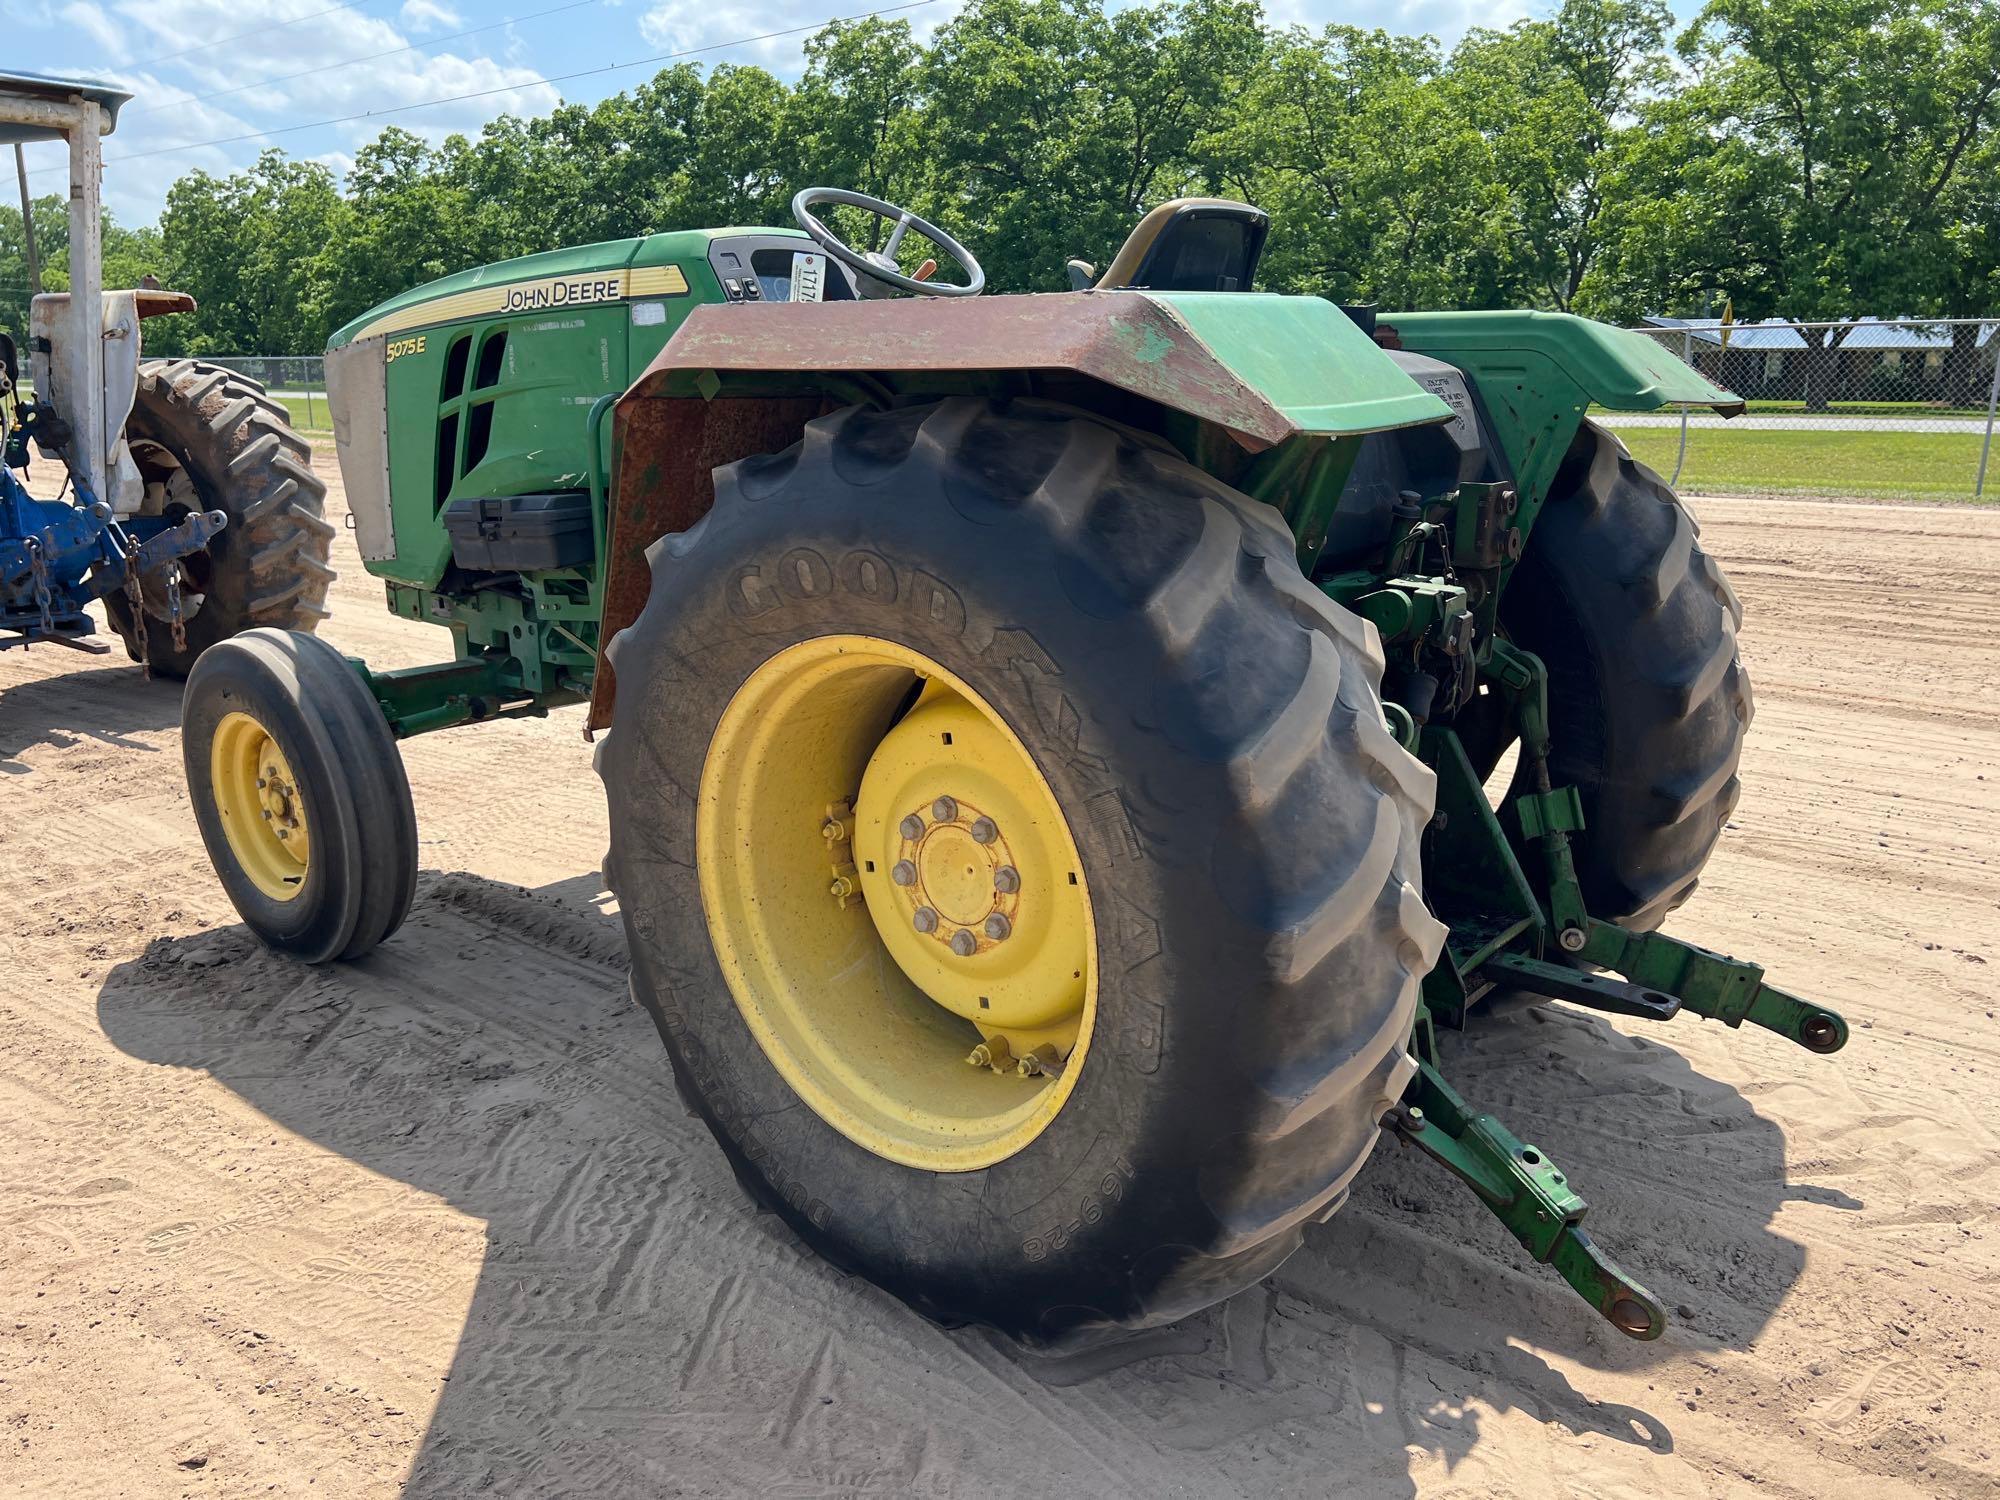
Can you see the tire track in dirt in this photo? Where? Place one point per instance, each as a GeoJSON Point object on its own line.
{"type": "Point", "coordinates": [436, 1221]}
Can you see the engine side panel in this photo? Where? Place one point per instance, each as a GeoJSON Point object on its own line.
{"type": "Point", "coordinates": [1426, 460]}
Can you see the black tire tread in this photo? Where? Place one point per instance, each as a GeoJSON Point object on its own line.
{"type": "Point", "coordinates": [1353, 921]}
{"type": "Point", "coordinates": [272, 563]}
{"type": "Point", "coordinates": [1649, 700]}
{"type": "Point", "coordinates": [370, 844]}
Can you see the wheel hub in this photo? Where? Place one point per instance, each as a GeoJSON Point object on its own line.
{"type": "Point", "coordinates": [953, 862]}
{"type": "Point", "coordinates": [959, 928]}
{"type": "Point", "coordinates": [263, 815]}
{"type": "Point", "coordinates": [969, 885]}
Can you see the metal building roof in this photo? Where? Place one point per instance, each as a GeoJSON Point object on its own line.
{"type": "Point", "coordinates": [48, 86]}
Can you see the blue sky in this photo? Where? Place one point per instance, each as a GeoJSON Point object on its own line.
{"type": "Point", "coordinates": [201, 70]}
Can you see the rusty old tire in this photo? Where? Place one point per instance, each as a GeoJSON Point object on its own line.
{"type": "Point", "coordinates": [1208, 729]}
{"type": "Point", "coordinates": [214, 441]}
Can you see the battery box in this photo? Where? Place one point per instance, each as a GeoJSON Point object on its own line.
{"type": "Point", "coordinates": [520, 533]}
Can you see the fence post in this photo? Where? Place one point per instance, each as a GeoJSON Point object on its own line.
{"type": "Point", "coordinates": [1680, 460]}
{"type": "Point", "coordinates": [1992, 400]}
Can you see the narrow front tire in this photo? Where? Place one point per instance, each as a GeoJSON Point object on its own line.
{"type": "Point", "coordinates": [299, 791]}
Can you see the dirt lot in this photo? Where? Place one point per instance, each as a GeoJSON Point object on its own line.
{"type": "Point", "coordinates": [436, 1222]}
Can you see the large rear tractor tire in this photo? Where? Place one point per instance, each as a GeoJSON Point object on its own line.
{"type": "Point", "coordinates": [1016, 863]}
{"type": "Point", "coordinates": [300, 794]}
{"type": "Point", "coordinates": [206, 438]}
{"type": "Point", "coordinates": [1648, 701]}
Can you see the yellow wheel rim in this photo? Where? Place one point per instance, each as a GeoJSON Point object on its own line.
{"type": "Point", "coordinates": [897, 903]}
{"type": "Point", "coordinates": [263, 815]}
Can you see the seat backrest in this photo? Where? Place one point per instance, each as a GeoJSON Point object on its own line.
{"type": "Point", "coordinates": [1191, 245]}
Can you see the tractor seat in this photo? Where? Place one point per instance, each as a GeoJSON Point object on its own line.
{"type": "Point", "coordinates": [1189, 245]}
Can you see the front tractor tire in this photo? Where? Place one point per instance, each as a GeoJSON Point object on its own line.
{"type": "Point", "coordinates": [300, 794]}
{"type": "Point", "coordinates": [1016, 863]}
{"type": "Point", "coordinates": [206, 438]}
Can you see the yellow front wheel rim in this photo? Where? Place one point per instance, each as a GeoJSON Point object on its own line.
{"type": "Point", "coordinates": [897, 903]}
{"type": "Point", "coordinates": [258, 800]}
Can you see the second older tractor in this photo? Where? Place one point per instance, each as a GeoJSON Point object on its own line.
{"type": "Point", "coordinates": [189, 506]}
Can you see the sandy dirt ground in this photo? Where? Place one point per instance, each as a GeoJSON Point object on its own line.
{"type": "Point", "coordinates": [436, 1223]}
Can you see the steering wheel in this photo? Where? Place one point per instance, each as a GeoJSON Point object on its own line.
{"type": "Point", "coordinates": [881, 264]}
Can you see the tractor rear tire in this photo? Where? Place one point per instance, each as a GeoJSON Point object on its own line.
{"type": "Point", "coordinates": [282, 741]}
{"type": "Point", "coordinates": [1207, 726]}
{"type": "Point", "coordinates": [1648, 701]}
{"type": "Point", "coordinates": [219, 443]}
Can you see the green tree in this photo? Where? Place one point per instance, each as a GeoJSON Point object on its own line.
{"type": "Point", "coordinates": [1560, 102]}
{"type": "Point", "coordinates": [1379, 187]}
{"type": "Point", "coordinates": [1827, 158]}
{"type": "Point", "coordinates": [244, 246]}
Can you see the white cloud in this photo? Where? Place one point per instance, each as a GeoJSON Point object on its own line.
{"type": "Point", "coordinates": [226, 67]}
{"type": "Point", "coordinates": [110, 41]}
{"type": "Point", "coordinates": [428, 15]}
{"type": "Point", "coordinates": [681, 25]}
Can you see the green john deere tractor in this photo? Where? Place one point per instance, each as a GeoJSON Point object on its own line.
{"type": "Point", "coordinates": [1048, 735]}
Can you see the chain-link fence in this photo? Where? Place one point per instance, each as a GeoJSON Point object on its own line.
{"type": "Point", "coordinates": [1866, 407]}
{"type": "Point", "coordinates": [298, 381]}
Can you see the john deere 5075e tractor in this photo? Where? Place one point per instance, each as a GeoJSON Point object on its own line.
{"type": "Point", "coordinates": [1046, 734]}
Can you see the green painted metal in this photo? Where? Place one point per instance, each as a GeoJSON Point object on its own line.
{"type": "Point", "coordinates": [1303, 477]}
{"type": "Point", "coordinates": [1539, 372]}
{"type": "Point", "coordinates": [1548, 815]}
{"type": "Point", "coordinates": [1614, 367]}
{"type": "Point", "coordinates": [1527, 1192]}
{"type": "Point", "coordinates": [414, 309]}
{"type": "Point", "coordinates": [553, 365]}
{"type": "Point", "coordinates": [1308, 359]}
{"type": "Point", "coordinates": [1712, 985]}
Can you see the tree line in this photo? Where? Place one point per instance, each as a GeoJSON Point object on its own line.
{"type": "Point", "coordinates": [1800, 158]}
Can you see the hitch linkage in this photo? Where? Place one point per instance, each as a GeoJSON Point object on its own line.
{"type": "Point", "coordinates": [1546, 942]}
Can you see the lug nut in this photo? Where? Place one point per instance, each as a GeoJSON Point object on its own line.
{"type": "Point", "coordinates": [1006, 880]}
{"type": "Point", "coordinates": [261, 783]}
{"type": "Point", "coordinates": [984, 831]}
{"type": "Point", "coordinates": [964, 944]}
{"type": "Point", "coordinates": [267, 815]}
{"type": "Point", "coordinates": [911, 827]}
{"type": "Point", "coordinates": [903, 873]}
{"type": "Point", "coordinates": [995, 1054]}
{"type": "Point", "coordinates": [998, 927]}
{"type": "Point", "coordinates": [945, 810]}
{"type": "Point", "coordinates": [925, 920]}
{"type": "Point", "coordinates": [832, 831]}
{"type": "Point", "coordinates": [1572, 939]}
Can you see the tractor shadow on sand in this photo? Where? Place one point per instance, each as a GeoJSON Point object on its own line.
{"type": "Point", "coordinates": [107, 701]}
{"type": "Point", "coordinates": [638, 1328]}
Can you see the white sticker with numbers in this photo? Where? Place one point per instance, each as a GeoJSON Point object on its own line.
{"type": "Point", "coordinates": [808, 276]}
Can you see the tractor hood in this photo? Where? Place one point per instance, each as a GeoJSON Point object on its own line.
{"type": "Point", "coordinates": [1261, 367]}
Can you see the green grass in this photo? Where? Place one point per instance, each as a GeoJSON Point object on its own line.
{"type": "Point", "coordinates": [1894, 465]}
{"type": "Point", "coordinates": [1839, 409]}
{"type": "Point", "coordinates": [1870, 409]}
